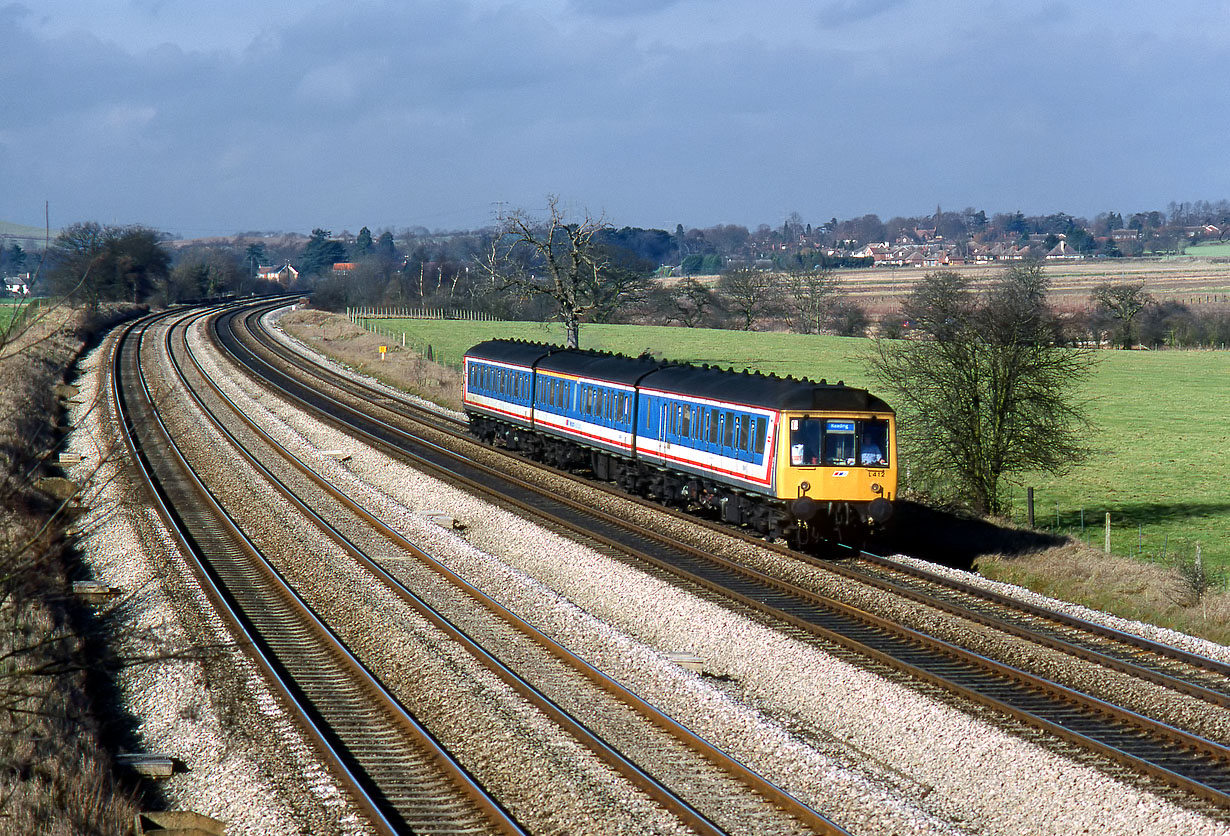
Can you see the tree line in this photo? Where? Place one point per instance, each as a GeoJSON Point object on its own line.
{"type": "Point", "coordinates": [506, 272]}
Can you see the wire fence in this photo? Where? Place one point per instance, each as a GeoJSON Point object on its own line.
{"type": "Point", "coordinates": [1116, 536]}
{"type": "Point", "coordinates": [356, 314]}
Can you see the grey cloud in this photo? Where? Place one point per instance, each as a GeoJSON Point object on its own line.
{"type": "Point", "coordinates": [837, 13]}
{"type": "Point", "coordinates": [388, 113]}
{"type": "Point", "coordinates": [620, 8]}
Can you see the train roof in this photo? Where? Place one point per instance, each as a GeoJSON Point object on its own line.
{"type": "Point", "coordinates": [518, 352]}
{"type": "Point", "coordinates": [601, 365]}
{"type": "Point", "coordinates": [764, 390]}
{"type": "Point", "coordinates": [711, 382]}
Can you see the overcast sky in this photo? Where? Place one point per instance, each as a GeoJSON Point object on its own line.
{"type": "Point", "coordinates": [204, 117]}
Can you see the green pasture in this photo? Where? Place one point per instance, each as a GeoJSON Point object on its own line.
{"type": "Point", "coordinates": [1161, 462]}
{"type": "Point", "coordinates": [832, 358]}
{"type": "Point", "coordinates": [1210, 250]}
{"type": "Point", "coordinates": [9, 308]}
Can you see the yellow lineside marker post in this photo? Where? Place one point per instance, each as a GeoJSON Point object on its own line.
{"type": "Point", "coordinates": [383, 350]}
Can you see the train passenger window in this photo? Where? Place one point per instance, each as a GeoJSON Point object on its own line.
{"type": "Point", "coordinates": [755, 435]}
{"type": "Point", "coordinates": [714, 426]}
{"type": "Point", "coordinates": [839, 437]}
{"type": "Point", "coordinates": [729, 436]}
{"type": "Point", "coordinates": [805, 441]}
{"type": "Point", "coordinates": [873, 443]}
{"type": "Point", "coordinates": [685, 422]}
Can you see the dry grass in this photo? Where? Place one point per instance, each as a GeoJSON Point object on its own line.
{"type": "Point", "coordinates": [1161, 595]}
{"type": "Point", "coordinates": [403, 368]}
{"type": "Point", "coordinates": [56, 773]}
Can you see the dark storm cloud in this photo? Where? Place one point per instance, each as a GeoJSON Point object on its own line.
{"type": "Point", "coordinates": [389, 113]}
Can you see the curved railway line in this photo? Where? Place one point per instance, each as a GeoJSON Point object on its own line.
{"type": "Point", "coordinates": [391, 766]}
{"type": "Point", "coordinates": [390, 786]}
{"type": "Point", "coordinates": [1196, 765]}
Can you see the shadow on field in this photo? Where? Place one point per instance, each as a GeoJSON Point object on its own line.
{"type": "Point", "coordinates": [951, 539]}
{"type": "Point", "coordinates": [1145, 513]}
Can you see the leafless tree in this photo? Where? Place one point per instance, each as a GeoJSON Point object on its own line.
{"type": "Point", "coordinates": [689, 303]}
{"type": "Point", "coordinates": [1121, 302]}
{"type": "Point", "coordinates": [557, 258]}
{"type": "Point", "coordinates": [748, 294]}
{"type": "Point", "coordinates": [808, 298]}
{"type": "Point", "coordinates": [985, 389]}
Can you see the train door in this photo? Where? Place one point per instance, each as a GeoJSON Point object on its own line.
{"type": "Point", "coordinates": [663, 422]}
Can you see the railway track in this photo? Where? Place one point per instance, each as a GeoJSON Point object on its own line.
{"type": "Point", "coordinates": [1186, 760]}
{"type": "Point", "coordinates": [1165, 665]}
{"type": "Point", "coordinates": [389, 764]}
{"type": "Point", "coordinates": [659, 743]}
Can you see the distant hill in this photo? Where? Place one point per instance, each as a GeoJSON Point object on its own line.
{"type": "Point", "coordinates": [25, 236]}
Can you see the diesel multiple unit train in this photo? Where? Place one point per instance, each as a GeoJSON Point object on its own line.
{"type": "Point", "coordinates": [793, 459]}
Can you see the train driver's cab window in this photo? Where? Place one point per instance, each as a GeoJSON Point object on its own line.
{"type": "Point", "coordinates": [805, 441]}
{"type": "Point", "coordinates": [873, 446]}
{"type": "Point", "coordinates": [839, 440]}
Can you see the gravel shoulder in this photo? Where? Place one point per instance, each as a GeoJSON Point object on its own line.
{"type": "Point", "coordinates": [244, 761]}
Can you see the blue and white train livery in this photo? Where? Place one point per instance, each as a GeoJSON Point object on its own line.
{"type": "Point", "coordinates": [790, 458]}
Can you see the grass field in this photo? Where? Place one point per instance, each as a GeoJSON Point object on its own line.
{"type": "Point", "coordinates": [8, 310]}
{"type": "Point", "coordinates": [1160, 466]}
{"type": "Point", "coordinates": [1211, 250]}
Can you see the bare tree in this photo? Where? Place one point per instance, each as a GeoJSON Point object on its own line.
{"type": "Point", "coordinates": [747, 293]}
{"type": "Point", "coordinates": [1121, 302]}
{"type": "Point", "coordinates": [808, 298]}
{"type": "Point", "coordinates": [556, 258]}
{"type": "Point", "coordinates": [689, 303]}
{"type": "Point", "coordinates": [985, 389]}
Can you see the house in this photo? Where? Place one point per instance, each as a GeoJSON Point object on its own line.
{"type": "Point", "coordinates": [18, 285]}
{"type": "Point", "coordinates": [1063, 251]}
{"type": "Point", "coordinates": [341, 268]}
{"type": "Point", "coordinates": [284, 275]}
